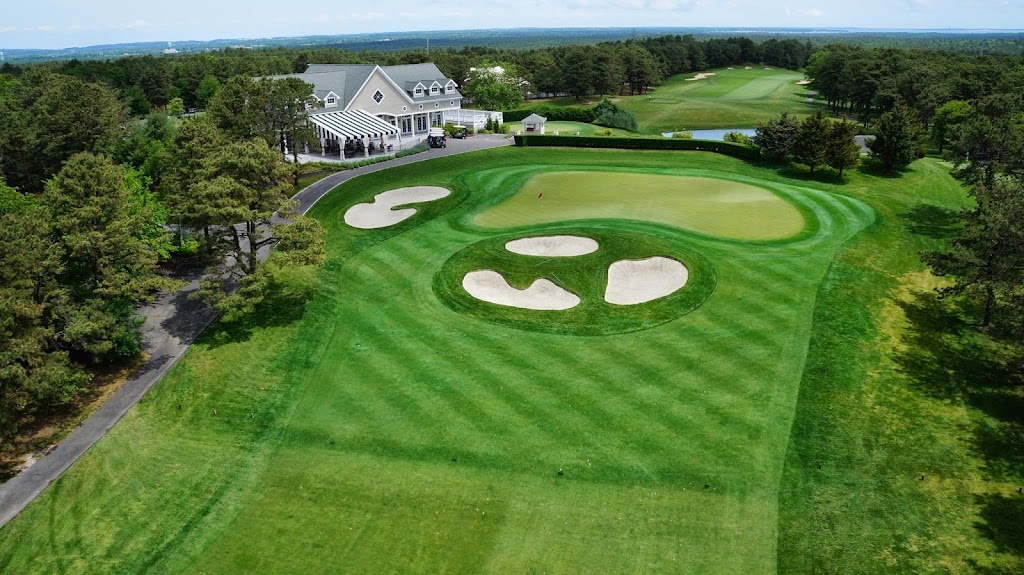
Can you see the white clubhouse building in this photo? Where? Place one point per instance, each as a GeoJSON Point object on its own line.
{"type": "Point", "coordinates": [378, 107]}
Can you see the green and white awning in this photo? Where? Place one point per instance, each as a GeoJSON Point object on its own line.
{"type": "Point", "coordinates": [351, 125]}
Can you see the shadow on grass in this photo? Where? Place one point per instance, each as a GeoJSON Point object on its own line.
{"type": "Point", "coordinates": [821, 174]}
{"type": "Point", "coordinates": [932, 221]}
{"type": "Point", "coordinates": [279, 308]}
{"type": "Point", "coordinates": [1003, 522]}
{"type": "Point", "coordinates": [947, 360]}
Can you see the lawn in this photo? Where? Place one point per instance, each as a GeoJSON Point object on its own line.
{"type": "Point", "coordinates": [777, 423]}
{"type": "Point", "coordinates": [572, 128]}
{"type": "Point", "coordinates": [732, 98]}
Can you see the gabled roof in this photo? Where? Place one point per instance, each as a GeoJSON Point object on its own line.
{"type": "Point", "coordinates": [534, 119]}
{"type": "Point", "coordinates": [345, 80]}
{"type": "Point", "coordinates": [426, 73]}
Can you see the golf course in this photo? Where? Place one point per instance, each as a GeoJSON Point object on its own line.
{"type": "Point", "coordinates": [375, 417]}
{"type": "Point", "coordinates": [737, 97]}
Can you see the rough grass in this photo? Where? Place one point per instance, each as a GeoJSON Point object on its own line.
{"type": "Point", "coordinates": [735, 98]}
{"type": "Point", "coordinates": [374, 429]}
{"type": "Point", "coordinates": [734, 208]}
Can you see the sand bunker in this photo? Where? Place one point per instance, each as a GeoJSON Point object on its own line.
{"type": "Point", "coordinates": [380, 214]}
{"type": "Point", "coordinates": [701, 76]}
{"type": "Point", "coordinates": [747, 68]}
{"type": "Point", "coordinates": [631, 282]}
{"type": "Point", "coordinates": [803, 82]}
{"type": "Point", "coordinates": [552, 246]}
{"type": "Point", "coordinates": [490, 286]}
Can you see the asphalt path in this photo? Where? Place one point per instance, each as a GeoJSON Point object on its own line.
{"type": "Point", "coordinates": [172, 323]}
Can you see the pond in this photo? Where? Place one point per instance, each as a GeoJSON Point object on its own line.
{"type": "Point", "coordinates": [714, 134]}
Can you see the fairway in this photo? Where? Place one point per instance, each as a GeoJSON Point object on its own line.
{"type": "Point", "coordinates": [394, 424]}
{"type": "Point", "coordinates": [718, 207]}
{"type": "Point", "coordinates": [735, 98]}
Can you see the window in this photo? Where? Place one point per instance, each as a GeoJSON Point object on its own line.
{"type": "Point", "coordinates": [435, 89]}
{"type": "Point", "coordinates": [421, 122]}
{"type": "Point", "coordinates": [377, 96]}
{"type": "Point", "coordinates": [421, 106]}
{"type": "Point", "coordinates": [331, 101]}
{"type": "Point", "coordinates": [419, 92]}
{"type": "Point", "coordinates": [437, 104]}
{"type": "Point", "coordinates": [404, 108]}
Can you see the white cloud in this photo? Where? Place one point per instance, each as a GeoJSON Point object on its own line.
{"type": "Point", "coordinates": [74, 27]}
{"type": "Point", "coordinates": [46, 28]}
{"type": "Point", "coordinates": [8, 29]}
{"type": "Point", "coordinates": [131, 25]}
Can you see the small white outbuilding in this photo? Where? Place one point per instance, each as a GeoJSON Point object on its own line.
{"type": "Point", "coordinates": [534, 124]}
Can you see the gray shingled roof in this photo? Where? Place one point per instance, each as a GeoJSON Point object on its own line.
{"type": "Point", "coordinates": [534, 119]}
{"type": "Point", "coordinates": [346, 79]}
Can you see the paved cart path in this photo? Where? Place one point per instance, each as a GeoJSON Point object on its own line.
{"type": "Point", "coordinates": [172, 323]}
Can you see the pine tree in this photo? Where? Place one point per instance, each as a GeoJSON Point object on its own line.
{"type": "Point", "coordinates": [841, 150]}
{"type": "Point", "coordinates": [898, 139]}
{"type": "Point", "coordinates": [775, 137]}
{"type": "Point", "coordinates": [810, 141]}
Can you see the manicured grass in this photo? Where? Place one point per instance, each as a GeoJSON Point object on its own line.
{"type": "Point", "coordinates": [584, 276]}
{"type": "Point", "coordinates": [736, 98]}
{"type": "Point", "coordinates": [375, 429]}
{"type": "Point", "coordinates": [728, 208]}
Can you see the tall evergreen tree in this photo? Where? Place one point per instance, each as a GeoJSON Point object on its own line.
{"type": "Point", "coordinates": [109, 258]}
{"type": "Point", "coordinates": [809, 145]}
{"type": "Point", "coordinates": [988, 254]}
{"type": "Point", "coordinates": [775, 137]}
{"type": "Point", "coordinates": [841, 150]}
{"type": "Point", "coordinates": [898, 138]}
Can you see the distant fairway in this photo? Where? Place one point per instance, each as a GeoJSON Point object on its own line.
{"type": "Point", "coordinates": [735, 98]}
{"type": "Point", "coordinates": [391, 425]}
{"type": "Point", "coordinates": [717, 207]}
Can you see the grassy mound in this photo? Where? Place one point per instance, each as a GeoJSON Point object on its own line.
{"type": "Point", "coordinates": [585, 276]}
{"type": "Point", "coordinates": [728, 208]}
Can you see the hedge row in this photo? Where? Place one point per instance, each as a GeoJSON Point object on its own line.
{"type": "Point", "coordinates": [553, 113]}
{"type": "Point", "coordinates": [726, 148]}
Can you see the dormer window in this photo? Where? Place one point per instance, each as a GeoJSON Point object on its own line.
{"type": "Point", "coordinates": [434, 90]}
{"type": "Point", "coordinates": [450, 86]}
{"type": "Point", "coordinates": [419, 92]}
{"type": "Point", "coordinates": [331, 101]}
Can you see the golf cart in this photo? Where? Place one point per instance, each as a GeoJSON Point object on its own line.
{"type": "Point", "coordinates": [436, 138]}
{"type": "Point", "coordinates": [459, 132]}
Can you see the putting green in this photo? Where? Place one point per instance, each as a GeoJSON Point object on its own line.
{"type": "Point", "coordinates": [711, 206]}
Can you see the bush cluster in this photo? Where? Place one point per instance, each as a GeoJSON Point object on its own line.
{"type": "Point", "coordinates": [609, 115]}
{"type": "Point", "coordinates": [553, 113]}
{"type": "Point", "coordinates": [726, 148]}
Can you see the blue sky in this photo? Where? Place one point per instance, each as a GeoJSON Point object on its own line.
{"type": "Point", "coordinates": [65, 23]}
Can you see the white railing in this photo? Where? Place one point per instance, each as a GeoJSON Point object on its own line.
{"type": "Point", "coordinates": [473, 119]}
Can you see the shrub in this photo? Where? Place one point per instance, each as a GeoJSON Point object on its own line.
{"type": "Point", "coordinates": [553, 113]}
{"type": "Point", "coordinates": [726, 148]}
{"type": "Point", "coordinates": [609, 115]}
{"type": "Point", "coordinates": [738, 138]}
{"type": "Point", "coordinates": [682, 135]}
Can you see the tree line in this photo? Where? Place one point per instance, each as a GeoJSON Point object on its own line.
{"type": "Point", "coordinates": [92, 204]}
{"type": "Point", "coordinates": [152, 82]}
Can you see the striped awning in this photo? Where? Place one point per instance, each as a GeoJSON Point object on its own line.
{"type": "Point", "coordinates": [352, 125]}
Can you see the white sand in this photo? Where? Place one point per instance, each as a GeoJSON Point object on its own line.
{"type": "Point", "coordinates": [380, 214]}
{"type": "Point", "coordinates": [747, 68]}
{"type": "Point", "coordinates": [637, 281]}
{"type": "Point", "coordinates": [552, 246]}
{"type": "Point", "coordinates": [767, 68]}
{"type": "Point", "coordinates": [803, 82]}
{"type": "Point", "coordinates": [701, 76]}
{"type": "Point", "coordinates": [490, 286]}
